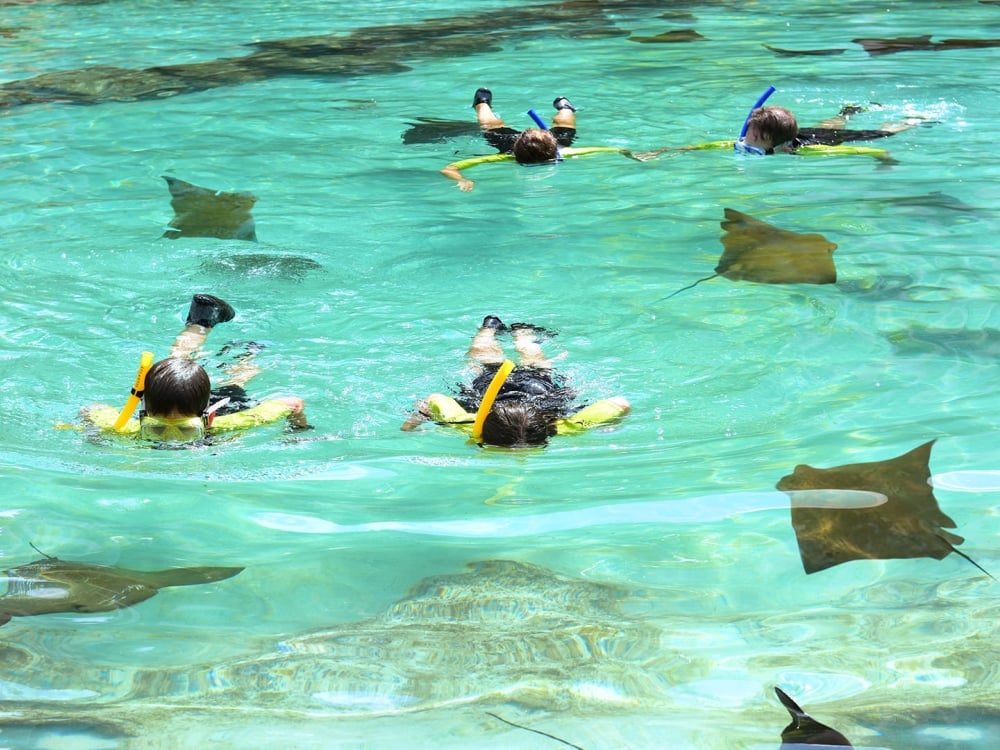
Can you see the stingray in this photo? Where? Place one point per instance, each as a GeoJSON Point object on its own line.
{"type": "Point", "coordinates": [757, 251]}
{"type": "Point", "coordinates": [875, 47]}
{"type": "Point", "coordinates": [907, 525]}
{"type": "Point", "coordinates": [805, 730]}
{"type": "Point", "coordinates": [962, 343]}
{"type": "Point", "coordinates": [432, 130]}
{"type": "Point", "coordinates": [51, 585]}
{"type": "Point", "coordinates": [200, 212]}
{"type": "Point", "coordinates": [804, 52]}
{"type": "Point", "coordinates": [670, 37]}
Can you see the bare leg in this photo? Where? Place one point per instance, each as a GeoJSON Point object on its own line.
{"type": "Point", "coordinates": [205, 313]}
{"type": "Point", "coordinates": [485, 349]}
{"type": "Point", "coordinates": [528, 347]}
{"type": "Point", "coordinates": [189, 341]}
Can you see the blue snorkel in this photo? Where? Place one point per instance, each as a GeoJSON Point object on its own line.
{"type": "Point", "coordinates": [541, 123]}
{"type": "Point", "coordinates": [739, 145]}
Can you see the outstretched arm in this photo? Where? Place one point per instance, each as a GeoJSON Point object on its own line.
{"type": "Point", "coordinates": [452, 172]}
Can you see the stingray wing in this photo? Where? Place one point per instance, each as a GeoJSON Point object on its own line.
{"type": "Point", "coordinates": [804, 730]}
{"type": "Point", "coordinates": [757, 251]}
{"type": "Point", "coordinates": [200, 212]}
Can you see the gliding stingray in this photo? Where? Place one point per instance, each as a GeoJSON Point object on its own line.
{"type": "Point", "coordinates": [757, 251]}
{"type": "Point", "coordinates": [52, 585]}
{"type": "Point", "coordinates": [805, 730]}
{"type": "Point", "coordinates": [875, 47]}
{"type": "Point", "coordinates": [200, 212]}
{"type": "Point", "coordinates": [908, 524]}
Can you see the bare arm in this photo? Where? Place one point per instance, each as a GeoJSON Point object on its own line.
{"type": "Point", "coordinates": [452, 172]}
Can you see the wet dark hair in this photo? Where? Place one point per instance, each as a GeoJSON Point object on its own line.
{"type": "Point", "coordinates": [517, 424]}
{"type": "Point", "coordinates": [535, 146]}
{"type": "Point", "coordinates": [176, 385]}
{"type": "Point", "coordinates": [776, 124]}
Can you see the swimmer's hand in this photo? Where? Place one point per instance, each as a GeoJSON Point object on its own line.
{"type": "Point", "coordinates": [464, 184]}
{"type": "Point", "coordinates": [420, 415]}
{"type": "Point", "coordinates": [297, 417]}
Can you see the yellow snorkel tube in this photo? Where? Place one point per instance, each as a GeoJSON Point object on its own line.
{"type": "Point", "coordinates": [136, 395]}
{"type": "Point", "coordinates": [489, 397]}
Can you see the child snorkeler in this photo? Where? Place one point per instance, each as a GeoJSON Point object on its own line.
{"type": "Point", "coordinates": [177, 391]}
{"type": "Point", "coordinates": [532, 146]}
{"type": "Point", "coordinates": [531, 403]}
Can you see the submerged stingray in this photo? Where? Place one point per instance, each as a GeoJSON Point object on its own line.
{"type": "Point", "coordinates": [200, 212]}
{"type": "Point", "coordinates": [757, 251]}
{"type": "Point", "coordinates": [805, 730]}
{"type": "Point", "coordinates": [909, 523]}
{"type": "Point", "coordinates": [804, 52]}
{"type": "Point", "coordinates": [670, 37]}
{"type": "Point", "coordinates": [52, 585]}
{"type": "Point", "coordinates": [501, 629]}
{"type": "Point", "coordinates": [432, 130]}
{"type": "Point", "coordinates": [876, 47]}
{"type": "Point", "coordinates": [962, 343]}
{"type": "Point", "coordinates": [291, 267]}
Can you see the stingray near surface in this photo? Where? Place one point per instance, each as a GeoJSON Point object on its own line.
{"type": "Point", "coordinates": [201, 212]}
{"type": "Point", "coordinates": [875, 47]}
{"type": "Point", "coordinates": [909, 524]}
{"type": "Point", "coordinates": [805, 731]}
{"type": "Point", "coordinates": [52, 585]}
{"type": "Point", "coordinates": [434, 130]}
{"type": "Point", "coordinates": [757, 251]}
{"type": "Point", "coordinates": [781, 52]}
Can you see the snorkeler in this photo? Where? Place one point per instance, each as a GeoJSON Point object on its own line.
{"type": "Point", "coordinates": [541, 145]}
{"type": "Point", "coordinates": [514, 406]}
{"type": "Point", "coordinates": [179, 404]}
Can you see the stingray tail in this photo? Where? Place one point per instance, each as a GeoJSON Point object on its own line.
{"type": "Point", "coordinates": [536, 731]}
{"type": "Point", "coordinates": [188, 576]}
{"type": "Point", "coordinates": [959, 552]}
{"type": "Point", "coordinates": [685, 288]}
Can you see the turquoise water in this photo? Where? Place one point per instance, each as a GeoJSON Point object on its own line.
{"type": "Point", "coordinates": [652, 592]}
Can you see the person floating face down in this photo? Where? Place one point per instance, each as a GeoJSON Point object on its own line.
{"type": "Point", "coordinates": [775, 128]}
{"type": "Point", "coordinates": [530, 146]}
{"type": "Point", "coordinates": [177, 391]}
{"type": "Point", "coordinates": [532, 405]}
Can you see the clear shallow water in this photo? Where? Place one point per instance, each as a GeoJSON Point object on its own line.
{"type": "Point", "coordinates": [732, 385]}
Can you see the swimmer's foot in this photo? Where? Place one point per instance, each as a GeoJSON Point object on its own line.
{"type": "Point", "coordinates": [561, 102]}
{"type": "Point", "coordinates": [850, 110]}
{"type": "Point", "coordinates": [540, 333]}
{"type": "Point", "coordinates": [209, 311]}
{"type": "Point", "coordinates": [483, 96]}
{"type": "Point", "coordinates": [492, 321]}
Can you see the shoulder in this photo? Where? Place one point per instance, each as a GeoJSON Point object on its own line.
{"type": "Point", "coordinates": [263, 413]}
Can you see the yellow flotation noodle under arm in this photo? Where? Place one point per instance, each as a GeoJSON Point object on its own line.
{"type": "Point", "coordinates": [816, 149]}
{"type": "Point", "coordinates": [490, 396]}
{"type": "Point", "coordinates": [136, 395]}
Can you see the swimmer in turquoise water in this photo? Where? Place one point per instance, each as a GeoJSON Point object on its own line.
{"type": "Point", "coordinates": [542, 145]}
{"type": "Point", "coordinates": [179, 405]}
{"type": "Point", "coordinates": [514, 407]}
{"type": "Point", "coordinates": [771, 129]}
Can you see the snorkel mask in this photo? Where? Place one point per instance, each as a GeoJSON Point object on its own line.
{"type": "Point", "coordinates": [178, 429]}
{"type": "Point", "coordinates": [168, 430]}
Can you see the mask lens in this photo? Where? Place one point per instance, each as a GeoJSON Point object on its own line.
{"type": "Point", "coordinates": [162, 430]}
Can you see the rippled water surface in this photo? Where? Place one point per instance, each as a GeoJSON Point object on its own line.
{"type": "Point", "coordinates": [635, 586]}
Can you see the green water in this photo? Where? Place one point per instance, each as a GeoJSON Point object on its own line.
{"type": "Point", "coordinates": [653, 592]}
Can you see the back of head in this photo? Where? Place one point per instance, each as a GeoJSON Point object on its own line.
{"type": "Point", "coordinates": [176, 386]}
{"type": "Point", "coordinates": [518, 424]}
{"type": "Point", "coordinates": [774, 124]}
{"type": "Point", "coordinates": [535, 146]}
